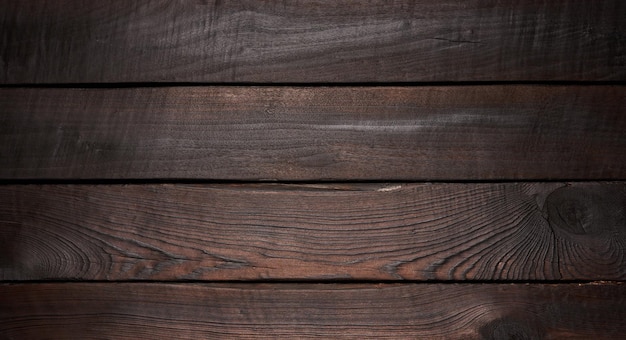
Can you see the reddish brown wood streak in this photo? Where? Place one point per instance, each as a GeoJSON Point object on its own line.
{"type": "Point", "coordinates": [314, 232]}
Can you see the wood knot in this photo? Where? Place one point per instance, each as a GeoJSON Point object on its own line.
{"type": "Point", "coordinates": [588, 211]}
{"type": "Point", "coordinates": [512, 328]}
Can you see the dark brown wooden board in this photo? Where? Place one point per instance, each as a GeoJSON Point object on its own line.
{"type": "Point", "coordinates": [238, 311]}
{"type": "Point", "coordinates": [534, 231]}
{"type": "Point", "coordinates": [70, 41]}
{"type": "Point", "coordinates": [303, 133]}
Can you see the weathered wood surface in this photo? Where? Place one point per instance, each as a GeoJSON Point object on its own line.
{"type": "Point", "coordinates": [295, 133]}
{"type": "Point", "coordinates": [425, 311]}
{"type": "Point", "coordinates": [69, 41]}
{"type": "Point", "coordinates": [534, 231]}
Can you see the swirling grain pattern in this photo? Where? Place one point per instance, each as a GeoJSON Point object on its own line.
{"type": "Point", "coordinates": [515, 231]}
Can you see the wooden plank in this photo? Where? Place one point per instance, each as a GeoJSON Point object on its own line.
{"type": "Point", "coordinates": [327, 133]}
{"type": "Point", "coordinates": [429, 311]}
{"type": "Point", "coordinates": [539, 231]}
{"type": "Point", "coordinates": [69, 41]}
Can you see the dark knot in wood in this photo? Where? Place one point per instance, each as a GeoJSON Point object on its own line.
{"type": "Point", "coordinates": [585, 211]}
{"type": "Point", "coordinates": [512, 328]}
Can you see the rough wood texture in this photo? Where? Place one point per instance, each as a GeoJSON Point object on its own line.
{"type": "Point", "coordinates": [70, 41]}
{"type": "Point", "coordinates": [291, 133]}
{"type": "Point", "coordinates": [538, 231]}
{"type": "Point", "coordinates": [235, 311]}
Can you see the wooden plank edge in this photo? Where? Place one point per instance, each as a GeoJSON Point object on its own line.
{"type": "Point", "coordinates": [330, 232]}
{"type": "Point", "coordinates": [434, 311]}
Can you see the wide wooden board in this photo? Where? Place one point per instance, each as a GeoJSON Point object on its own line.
{"type": "Point", "coordinates": [236, 311]}
{"type": "Point", "coordinates": [303, 133]}
{"type": "Point", "coordinates": [525, 232]}
{"type": "Point", "coordinates": [70, 41]}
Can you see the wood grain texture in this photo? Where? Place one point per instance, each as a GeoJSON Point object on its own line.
{"type": "Point", "coordinates": [425, 311]}
{"type": "Point", "coordinates": [70, 41]}
{"type": "Point", "coordinates": [327, 133]}
{"type": "Point", "coordinates": [540, 231]}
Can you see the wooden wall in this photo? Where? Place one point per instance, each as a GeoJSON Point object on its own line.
{"type": "Point", "coordinates": [301, 169]}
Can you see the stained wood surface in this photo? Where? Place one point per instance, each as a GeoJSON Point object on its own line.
{"type": "Point", "coordinates": [535, 231]}
{"type": "Point", "coordinates": [300, 133]}
{"type": "Point", "coordinates": [69, 41]}
{"type": "Point", "coordinates": [219, 99]}
{"type": "Point", "coordinates": [432, 311]}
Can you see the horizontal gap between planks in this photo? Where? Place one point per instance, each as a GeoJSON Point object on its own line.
{"type": "Point", "coordinates": [321, 84]}
{"type": "Point", "coordinates": [326, 282]}
{"type": "Point", "coordinates": [141, 181]}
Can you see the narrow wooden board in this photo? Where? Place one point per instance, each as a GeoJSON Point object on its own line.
{"type": "Point", "coordinates": [541, 231]}
{"type": "Point", "coordinates": [70, 41]}
{"type": "Point", "coordinates": [327, 133]}
{"type": "Point", "coordinates": [236, 311]}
